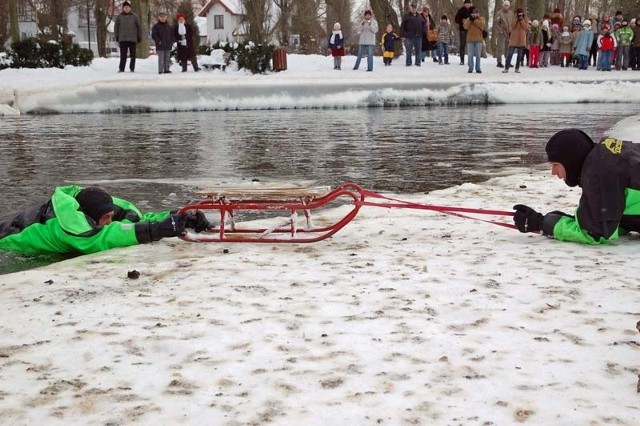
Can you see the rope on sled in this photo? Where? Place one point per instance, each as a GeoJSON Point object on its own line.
{"type": "Point", "coordinates": [462, 212]}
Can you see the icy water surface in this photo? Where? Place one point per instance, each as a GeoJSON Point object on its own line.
{"type": "Point", "coordinates": [157, 160]}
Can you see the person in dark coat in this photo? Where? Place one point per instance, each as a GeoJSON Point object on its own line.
{"type": "Point", "coordinates": [162, 35]}
{"type": "Point", "coordinates": [128, 34]}
{"type": "Point", "coordinates": [183, 33]}
{"type": "Point", "coordinates": [412, 30]}
{"type": "Point", "coordinates": [609, 175]}
{"type": "Point", "coordinates": [463, 13]}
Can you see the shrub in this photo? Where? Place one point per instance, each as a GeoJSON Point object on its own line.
{"type": "Point", "coordinates": [5, 60]}
{"type": "Point", "coordinates": [255, 58]}
{"type": "Point", "coordinates": [77, 56]}
{"type": "Point", "coordinates": [24, 53]}
{"type": "Point", "coordinates": [31, 53]}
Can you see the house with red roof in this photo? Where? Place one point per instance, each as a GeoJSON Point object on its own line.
{"type": "Point", "coordinates": [224, 20]}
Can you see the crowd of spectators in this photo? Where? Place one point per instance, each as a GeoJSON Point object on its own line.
{"type": "Point", "coordinates": [602, 41]}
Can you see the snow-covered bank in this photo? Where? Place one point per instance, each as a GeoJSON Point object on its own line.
{"type": "Point", "coordinates": [309, 82]}
{"type": "Point", "coordinates": [403, 317]}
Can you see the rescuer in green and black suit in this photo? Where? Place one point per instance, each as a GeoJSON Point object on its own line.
{"type": "Point", "coordinates": [89, 220]}
{"type": "Point", "coordinates": [609, 175]}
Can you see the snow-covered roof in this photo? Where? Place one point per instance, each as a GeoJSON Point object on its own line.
{"type": "Point", "coordinates": [234, 7]}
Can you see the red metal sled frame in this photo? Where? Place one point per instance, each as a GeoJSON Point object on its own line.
{"type": "Point", "coordinates": [289, 232]}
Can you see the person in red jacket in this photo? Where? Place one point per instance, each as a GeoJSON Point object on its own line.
{"type": "Point", "coordinates": [607, 44]}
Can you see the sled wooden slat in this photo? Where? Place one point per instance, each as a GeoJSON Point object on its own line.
{"type": "Point", "coordinates": [284, 192]}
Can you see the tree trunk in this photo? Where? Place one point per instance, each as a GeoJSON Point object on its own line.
{"type": "Point", "coordinates": [100, 14]}
{"type": "Point", "coordinates": [384, 13]}
{"type": "Point", "coordinates": [536, 9]}
{"type": "Point", "coordinates": [14, 29]}
{"type": "Point", "coordinates": [284, 20]}
{"type": "Point", "coordinates": [142, 9]}
{"type": "Point", "coordinates": [256, 21]}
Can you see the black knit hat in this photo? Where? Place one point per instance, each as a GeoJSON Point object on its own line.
{"type": "Point", "coordinates": [570, 148]}
{"type": "Point", "coordinates": [94, 202]}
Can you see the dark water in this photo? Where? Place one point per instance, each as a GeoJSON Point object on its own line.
{"type": "Point", "coordinates": [157, 160]}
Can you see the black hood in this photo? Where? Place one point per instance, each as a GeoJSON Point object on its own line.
{"type": "Point", "coordinates": [570, 148]}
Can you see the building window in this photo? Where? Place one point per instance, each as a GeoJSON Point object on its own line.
{"type": "Point", "coordinates": [218, 22]}
{"type": "Point", "coordinates": [25, 12]}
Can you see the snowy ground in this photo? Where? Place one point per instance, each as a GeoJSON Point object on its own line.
{"type": "Point", "coordinates": [309, 82]}
{"type": "Point", "coordinates": [403, 317]}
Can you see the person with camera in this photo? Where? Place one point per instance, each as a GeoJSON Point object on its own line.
{"type": "Point", "coordinates": [502, 28]}
{"type": "Point", "coordinates": [609, 175]}
{"type": "Point", "coordinates": [367, 29]}
{"type": "Point", "coordinates": [517, 40]}
{"type": "Point", "coordinates": [463, 14]}
{"type": "Point", "coordinates": [474, 25]}
{"type": "Point", "coordinates": [78, 220]}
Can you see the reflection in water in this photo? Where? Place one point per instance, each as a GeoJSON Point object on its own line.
{"type": "Point", "coordinates": [157, 160]}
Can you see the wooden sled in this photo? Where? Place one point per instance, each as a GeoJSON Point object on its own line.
{"type": "Point", "coordinates": [263, 210]}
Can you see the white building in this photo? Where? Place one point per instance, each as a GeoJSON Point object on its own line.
{"type": "Point", "coordinates": [223, 20]}
{"type": "Point", "coordinates": [26, 20]}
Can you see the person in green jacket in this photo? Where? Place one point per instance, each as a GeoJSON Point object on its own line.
{"type": "Point", "coordinates": [609, 175]}
{"type": "Point", "coordinates": [624, 36]}
{"type": "Point", "coordinates": [88, 220]}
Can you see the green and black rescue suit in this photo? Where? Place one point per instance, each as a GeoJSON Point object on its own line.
{"type": "Point", "coordinates": [610, 201]}
{"type": "Point", "coordinates": [59, 226]}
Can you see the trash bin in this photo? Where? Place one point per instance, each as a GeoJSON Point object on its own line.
{"type": "Point", "coordinates": [279, 59]}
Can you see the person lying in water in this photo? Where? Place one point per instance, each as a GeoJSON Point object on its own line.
{"type": "Point", "coordinates": [609, 175]}
{"type": "Point", "coordinates": [89, 220]}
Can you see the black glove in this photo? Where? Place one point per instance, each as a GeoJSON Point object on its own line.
{"type": "Point", "coordinates": [173, 226]}
{"type": "Point", "coordinates": [197, 221]}
{"type": "Point", "coordinates": [527, 219]}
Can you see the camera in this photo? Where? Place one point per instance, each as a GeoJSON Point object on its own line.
{"type": "Point", "coordinates": [520, 15]}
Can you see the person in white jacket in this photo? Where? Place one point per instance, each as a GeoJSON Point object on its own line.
{"type": "Point", "coordinates": [367, 29]}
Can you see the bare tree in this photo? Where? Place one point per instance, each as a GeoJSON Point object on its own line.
{"type": "Point", "coordinates": [283, 24]}
{"type": "Point", "coordinates": [385, 13]}
{"type": "Point", "coordinates": [167, 6]}
{"type": "Point", "coordinates": [143, 10]}
{"type": "Point", "coordinates": [305, 21]}
{"type": "Point", "coordinates": [11, 10]}
{"type": "Point", "coordinates": [51, 18]}
{"type": "Point", "coordinates": [257, 20]}
{"type": "Point", "coordinates": [103, 14]}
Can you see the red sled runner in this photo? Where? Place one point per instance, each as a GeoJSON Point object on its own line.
{"type": "Point", "coordinates": [284, 215]}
